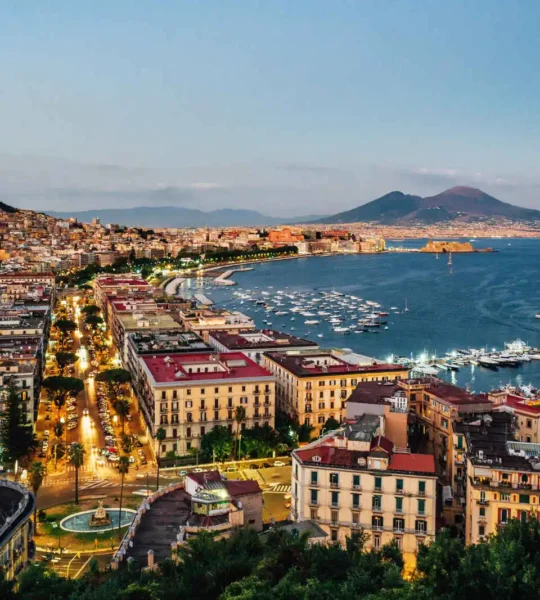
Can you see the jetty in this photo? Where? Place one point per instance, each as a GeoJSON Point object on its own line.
{"type": "Point", "coordinates": [202, 299]}
{"type": "Point", "coordinates": [223, 279]}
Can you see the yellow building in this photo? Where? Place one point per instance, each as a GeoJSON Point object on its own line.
{"type": "Point", "coordinates": [526, 411]}
{"type": "Point", "coordinates": [349, 480]}
{"type": "Point", "coordinates": [314, 385]}
{"type": "Point", "coordinates": [203, 321]}
{"type": "Point", "coordinates": [188, 394]}
{"type": "Point", "coordinates": [499, 476]}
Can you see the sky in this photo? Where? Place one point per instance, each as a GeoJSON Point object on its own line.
{"type": "Point", "coordinates": [289, 108]}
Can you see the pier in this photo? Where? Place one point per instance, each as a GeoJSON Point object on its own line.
{"type": "Point", "coordinates": [223, 279]}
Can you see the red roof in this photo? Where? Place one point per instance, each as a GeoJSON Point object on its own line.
{"type": "Point", "coordinates": [240, 488]}
{"type": "Point", "coordinates": [230, 366]}
{"type": "Point", "coordinates": [202, 478]}
{"type": "Point", "coordinates": [521, 404]}
{"type": "Point", "coordinates": [416, 463]}
{"type": "Point", "coordinates": [383, 443]}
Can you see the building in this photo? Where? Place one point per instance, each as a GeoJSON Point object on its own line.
{"type": "Point", "coordinates": [188, 394]}
{"type": "Point", "coordinates": [500, 477]}
{"type": "Point", "coordinates": [121, 286]}
{"type": "Point", "coordinates": [203, 321]}
{"type": "Point", "coordinates": [255, 343]}
{"type": "Point", "coordinates": [16, 531]}
{"type": "Point", "coordinates": [314, 386]}
{"type": "Point", "coordinates": [386, 400]}
{"type": "Point", "coordinates": [526, 411]}
{"type": "Point", "coordinates": [352, 479]}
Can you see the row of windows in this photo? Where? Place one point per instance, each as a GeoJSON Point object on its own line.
{"type": "Point", "coordinates": [377, 524]}
{"type": "Point", "coordinates": [333, 382]}
{"type": "Point", "coordinates": [203, 416]}
{"type": "Point", "coordinates": [202, 391]}
{"type": "Point", "coordinates": [333, 479]}
{"type": "Point", "coordinates": [376, 502]}
{"type": "Point", "coordinates": [202, 430]}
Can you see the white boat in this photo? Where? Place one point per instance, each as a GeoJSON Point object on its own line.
{"type": "Point", "coordinates": [311, 322]}
{"type": "Point", "coordinates": [341, 329]}
{"type": "Point", "coordinates": [320, 335]}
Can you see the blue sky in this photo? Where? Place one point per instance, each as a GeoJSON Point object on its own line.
{"type": "Point", "coordinates": [287, 107]}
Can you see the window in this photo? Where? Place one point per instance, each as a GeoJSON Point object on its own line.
{"type": "Point", "coordinates": [524, 499]}
{"type": "Point", "coordinates": [202, 391]}
{"type": "Point", "coordinates": [460, 442]}
{"type": "Point", "coordinates": [529, 423]}
{"type": "Point", "coordinates": [482, 496]}
{"type": "Point", "coordinates": [334, 535]}
{"type": "Point", "coordinates": [188, 432]}
{"type": "Point", "coordinates": [376, 503]}
{"type": "Point", "coordinates": [356, 482]}
{"type": "Point", "coordinates": [189, 417]}
{"type": "Point", "coordinates": [314, 478]}
{"type": "Point", "coordinates": [189, 404]}
{"type": "Point", "coordinates": [216, 403]}
{"type": "Point", "coordinates": [399, 541]}
{"type": "Point", "coordinates": [399, 486]}
{"type": "Point", "coordinates": [399, 524]}
{"type": "Point", "coordinates": [313, 513]}
{"type": "Point", "coordinates": [314, 497]}
{"type": "Point", "coordinates": [175, 394]}
{"type": "Point", "coordinates": [528, 439]}
{"type": "Point", "coordinates": [421, 488]}
{"type": "Point", "coordinates": [481, 530]}
{"type": "Point", "coordinates": [175, 433]}
{"type": "Point", "coordinates": [335, 498]}
{"type": "Point", "coordinates": [378, 483]}
{"type": "Point", "coordinates": [216, 415]}
{"type": "Point", "coordinates": [164, 395]}
{"type": "Point", "coordinates": [243, 388]}
{"type": "Point", "coordinates": [482, 511]}
{"type": "Point", "coordinates": [334, 516]}
{"type": "Point", "coordinates": [188, 392]}
{"type": "Point", "coordinates": [216, 390]}
{"type": "Point", "coordinates": [203, 431]}
{"type": "Point", "coordinates": [420, 526]}
{"type": "Point", "coordinates": [444, 423]}
{"type": "Point", "coordinates": [376, 542]}
{"type": "Point", "coordinates": [377, 522]}
{"type": "Point", "coordinates": [334, 479]}
{"type": "Point", "coordinates": [356, 501]}
{"type": "Point", "coordinates": [321, 420]}
{"type": "Point", "coordinates": [505, 497]}
{"type": "Point", "coordinates": [356, 518]}
{"type": "Point", "coordinates": [421, 507]}
{"type": "Point", "coordinates": [503, 515]}
{"type": "Point", "coordinates": [399, 505]}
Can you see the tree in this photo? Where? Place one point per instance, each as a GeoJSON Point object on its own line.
{"type": "Point", "coordinates": [59, 387]}
{"type": "Point", "coordinates": [65, 327]}
{"type": "Point", "coordinates": [330, 425]}
{"type": "Point", "coordinates": [76, 458]}
{"type": "Point", "coordinates": [114, 378]}
{"type": "Point", "coordinates": [304, 432]}
{"type": "Point", "coordinates": [161, 434]}
{"type": "Point", "coordinates": [217, 443]}
{"type": "Point", "coordinates": [36, 475]}
{"type": "Point", "coordinates": [64, 359]}
{"type": "Point", "coordinates": [58, 431]}
{"type": "Point", "coordinates": [16, 436]}
{"type": "Point", "coordinates": [90, 309]}
{"type": "Point", "coordinates": [127, 444]}
{"type": "Point", "coordinates": [121, 406]}
{"type": "Point", "coordinates": [93, 321]}
{"type": "Point", "coordinates": [239, 417]}
{"type": "Point", "coordinates": [123, 468]}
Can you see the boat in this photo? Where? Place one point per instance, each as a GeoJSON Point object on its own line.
{"type": "Point", "coordinates": [341, 329]}
{"type": "Point", "coordinates": [488, 363]}
{"type": "Point", "coordinates": [311, 322]}
{"type": "Point", "coordinates": [320, 335]}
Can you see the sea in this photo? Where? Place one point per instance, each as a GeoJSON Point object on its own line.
{"type": "Point", "coordinates": [481, 300]}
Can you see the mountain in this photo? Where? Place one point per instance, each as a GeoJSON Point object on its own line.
{"type": "Point", "coordinates": [459, 203]}
{"type": "Point", "coordinates": [171, 216]}
{"type": "Point", "coordinates": [7, 208]}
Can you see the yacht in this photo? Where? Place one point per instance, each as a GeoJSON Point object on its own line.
{"type": "Point", "coordinates": [311, 322]}
{"type": "Point", "coordinates": [341, 329]}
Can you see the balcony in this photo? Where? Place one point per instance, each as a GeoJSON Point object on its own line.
{"type": "Point", "coordinates": [313, 502]}
{"type": "Point", "coordinates": [356, 487]}
{"type": "Point", "coordinates": [482, 502]}
{"type": "Point", "coordinates": [398, 530]}
{"type": "Point", "coordinates": [314, 483]}
{"type": "Point", "coordinates": [334, 484]}
{"type": "Point", "coordinates": [421, 532]}
{"type": "Point", "coordinates": [377, 509]}
{"type": "Point", "coordinates": [400, 492]}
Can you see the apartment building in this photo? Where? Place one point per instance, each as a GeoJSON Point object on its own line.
{"type": "Point", "coordinates": [203, 321]}
{"type": "Point", "coordinates": [525, 409]}
{"type": "Point", "coordinates": [352, 479]}
{"type": "Point", "coordinates": [121, 286]}
{"type": "Point", "coordinates": [188, 394]}
{"type": "Point", "coordinates": [315, 385]}
{"type": "Point", "coordinates": [500, 477]}
{"type": "Point", "coordinates": [161, 343]}
{"type": "Point", "coordinates": [255, 343]}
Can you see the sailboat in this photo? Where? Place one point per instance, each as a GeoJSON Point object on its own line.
{"type": "Point", "coordinates": [406, 307]}
{"type": "Point", "coordinates": [450, 259]}
{"type": "Point", "coordinates": [437, 256]}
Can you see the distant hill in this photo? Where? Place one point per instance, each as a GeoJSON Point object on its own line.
{"type": "Point", "coordinates": [171, 216]}
{"type": "Point", "coordinates": [458, 203]}
{"type": "Point", "coordinates": [7, 208]}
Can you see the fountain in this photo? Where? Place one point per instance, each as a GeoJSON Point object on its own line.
{"type": "Point", "coordinates": [100, 517]}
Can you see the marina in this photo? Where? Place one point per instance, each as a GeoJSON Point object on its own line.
{"type": "Point", "coordinates": [421, 307]}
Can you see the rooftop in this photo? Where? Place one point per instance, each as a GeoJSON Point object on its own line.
{"type": "Point", "coordinates": [259, 339]}
{"type": "Point", "coordinates": [178, 368]}
{"type": "Point", "coordinates": [168, 341]}
{"type": "Point", "coordinates": [325, 363]}
{"type": "Point", "coordinates": [121, 281]}
{"type": "Point", "coordinates": [373, 392]}
{"type": "Point", "coordinates": [16, 505]}
{"type": "Point", "coordinates": [147, 320]}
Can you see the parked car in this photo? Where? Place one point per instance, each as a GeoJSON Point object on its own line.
{"type": "Point", "coordinates": [279, 463]}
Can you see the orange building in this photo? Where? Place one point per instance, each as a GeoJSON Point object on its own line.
{"type": "Point", "coordinates": [285, 236]}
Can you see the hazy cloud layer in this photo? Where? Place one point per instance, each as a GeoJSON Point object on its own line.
{"type": "Point", "coordinates": [276, 189]}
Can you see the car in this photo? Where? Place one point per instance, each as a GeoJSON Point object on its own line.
{"type": "Point", "coordinates": [182, 473]}
{"type": "Point", "coordinates": [254, 466]}
{"type": "Point", "coordinates": [113, 457]}
{"type": "Point", "coordinates": [131, 459]}
{"type": "Point", "coordinates": [279, 463]}
{"type": "Point", "coordinates": [46, 433]}
{"type": "Point", "coordinates": [85, 412]}
{"type": "Point", "coordinates": [287, 496]}
{"type": "Point", "coordinates": [72, 425]}
{"type": "Point", "coordinates": [198, 470]}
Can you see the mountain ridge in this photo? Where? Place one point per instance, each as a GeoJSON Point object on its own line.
{"type": "Point", "coordinates": [459, 203]}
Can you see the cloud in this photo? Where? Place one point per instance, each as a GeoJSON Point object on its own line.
{"type": "Point", "coordinates": [207, 186]}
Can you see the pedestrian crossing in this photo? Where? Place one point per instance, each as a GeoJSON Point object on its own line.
{"type": "Point", "coordinates": [279, 489]}
{"type": "Point", "coordinates": [98, 483]}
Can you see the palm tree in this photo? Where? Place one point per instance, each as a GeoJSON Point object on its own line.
{"type": "Point", "coordinates": [58, 431]}
{"type": "Point", "coordinates": [161, 434]}
{"type": "Point", "coordinates": [76, 458]}
{"type": "Point", "coordinates": [36, 474]}
{"type": "Point", "coordinates": [121, 406]}
{"type": "Point", "coordinates": [123, 468]}
{"type": "Point", "coordinates": [239, 417]}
